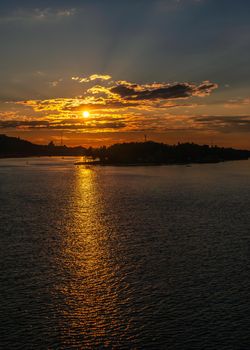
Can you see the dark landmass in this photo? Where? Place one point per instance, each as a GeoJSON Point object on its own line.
{"type": "Point", "coordinates": [13, 147]}
{"type": "Point", "coordinates": [133, 153]}
{"type": "Point", "coordinates": [153, 153]}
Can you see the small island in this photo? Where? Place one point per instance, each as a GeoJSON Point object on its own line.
{"type": "Point", "coordinates": [132, 153]}
{"type": "Point", "coordinates": [154, 153]}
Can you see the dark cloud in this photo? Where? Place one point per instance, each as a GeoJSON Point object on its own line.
{"type": "Point", "coordinates": [68, 124]}
{"type": "Point", "coordinates": [226, 124]}
{"type": "Point", "coordinates": [167, 91]}
{"type": "Point", "coordinates": [5, 124]}
{"type": "Point", "coordinates": [108, 125]}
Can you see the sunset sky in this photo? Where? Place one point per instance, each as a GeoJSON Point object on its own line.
{"type": "Point", "coordinates": [103, 71]}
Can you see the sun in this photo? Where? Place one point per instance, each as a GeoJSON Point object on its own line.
{"type": "Point", "coordinates": [85, 114]}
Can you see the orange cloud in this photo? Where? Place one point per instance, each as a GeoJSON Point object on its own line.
{"type": "Point", "coordinates": [116, 105]}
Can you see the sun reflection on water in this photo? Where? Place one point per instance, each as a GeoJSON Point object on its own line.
{"type": "Point", "coordinates": [90, 292]}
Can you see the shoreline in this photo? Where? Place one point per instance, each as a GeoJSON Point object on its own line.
{"type": "Point", "coordinates": [120, 164]}
{"type": "Point", "coordinates": [98, 163]}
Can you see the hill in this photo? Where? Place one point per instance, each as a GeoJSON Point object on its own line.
{"type": "Point", "coordinates": [16, 147]}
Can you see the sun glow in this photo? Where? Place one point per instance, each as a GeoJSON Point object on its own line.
{"type": "Point", "coordinates": [85, 114]}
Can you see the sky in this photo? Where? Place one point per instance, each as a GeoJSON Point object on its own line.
{"type": "Point", "coordinates": [97, 72]}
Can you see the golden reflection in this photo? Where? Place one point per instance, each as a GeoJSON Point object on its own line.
{"type": "Point", "coordinates": [91, 311]}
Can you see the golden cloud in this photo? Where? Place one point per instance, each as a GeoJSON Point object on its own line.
{"type": "Point", "coordinates": [92, 78]}
{"type": "Point", "coordinates": [117, 105]}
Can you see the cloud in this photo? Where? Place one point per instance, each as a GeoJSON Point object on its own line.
{"type": "Point", "coordinates": [56, 104]}
{"type": "Point", "coordinates": [140, 123]}
{"type": "Point", "coordinates": [225, 124]}
{"type": "Point", "coordinates": [38, 14]}
{"type": "Point", "coordinates": [237, 102]}
{"type": "Point", "coordinates": [10, 124]}
{"type": "Point", "coordinates": [67, 124]}
{"type": "Point", "coordinates": [162, 91]}
{"type": "Point", "coordinates": [55, 83]}
{"type": "Point", "coordinates": [102, 105]}
{"type": "Point", "coordinates": [92, 78]}
{"type": "Point", "coordinates": [117, 105]}
{"type": "Point", "coordinates": [66, 105]}
{"type": "Point", "coordinates": [124, 94]}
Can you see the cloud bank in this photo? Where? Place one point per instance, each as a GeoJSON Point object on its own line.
{"type": "Point", "coordinates": [113, 105]}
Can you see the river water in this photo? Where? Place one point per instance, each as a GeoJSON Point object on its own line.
{"type": "Point", "coordinates": [124, 257]}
